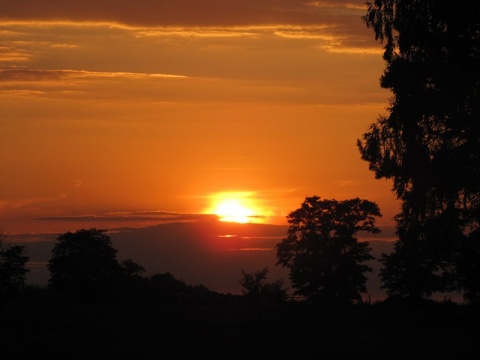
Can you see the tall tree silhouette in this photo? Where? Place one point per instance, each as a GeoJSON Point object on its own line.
{"type": "Point", "coordinates": [325, 260]}
{"type": "Point", "coordinates": [429, 142]}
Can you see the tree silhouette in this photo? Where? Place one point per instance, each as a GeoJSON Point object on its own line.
{"type": "Point", "coordinates": [83, 263]}
{"type": "Point", "coordinates": [131, 269]}
{"type": "Point", "coordinates": [409, 271]}
{"type": "Point", "coordinates": [325, 260]}
{"type": "Point", "coordinates": [12, 266]}
{"type": "Point", "coordinates": [428, 143]}
{"type": "Point", "coordinates": [257, 289]}
{"type": "Point", "coordinates": [166, 284]}
{"type": "Point", "coordinates": [165, 287]}
{"type": "Point", "coordinates": [467, 267]}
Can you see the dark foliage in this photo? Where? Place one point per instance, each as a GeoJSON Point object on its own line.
{"type": "Point", "coordinates": [221, 330]}
{"type": "Point", "coordinates": [429, 142]}
{"type": "Point", "coordinates": [258, 291]}
{"type": "Point", "coordinates": [12, 266]}
{"type": "Point", "coordinates": [83, 264]}
{"type": "Point", "coordinates": [326, 262]}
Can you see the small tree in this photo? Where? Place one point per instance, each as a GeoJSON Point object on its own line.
{"type": "Point", "coordinates": [131, 269]}
{"type": "Point", "coordinates": [257, 288]}
{"type": "Point", "coordinates": [325, 260]}
{"type": "Point", "coordinates": [12, 266]}
{"type": "Point", "coordinates": [83, 263]}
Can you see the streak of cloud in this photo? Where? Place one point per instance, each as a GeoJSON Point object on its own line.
{"type": "Point", "coordinates": [181, 12]}
{"type": "Point", "coordinates": [159, 216]}
{"type": "Point", "coordinates": [29, 202]}
{"type": "Point", "coordinates": [62, 75]}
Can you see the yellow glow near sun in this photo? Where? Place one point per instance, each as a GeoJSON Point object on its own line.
{"type": "Point", "coordinates": [235, 207]}
{"type": "Point", "coordinates": [233, 210]}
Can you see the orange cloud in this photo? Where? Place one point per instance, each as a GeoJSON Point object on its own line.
{"type": "Point", "coordinates": [179, 12]}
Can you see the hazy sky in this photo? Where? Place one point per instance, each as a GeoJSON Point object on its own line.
{"type": "Point", "coordinates": [149, 107]}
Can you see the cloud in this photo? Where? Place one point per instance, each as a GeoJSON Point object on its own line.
{"type": "Point", "coordinates": [198, 32]}
{"type": "Point", "coordinates": [29, 202]}
{"type": "Point", "coordinates": [338, 4]}
{"type": "Point", "coordinates": [157, 216]}
{"type": "Point", "coordinates": [181, 12]}
{"type": "Point", "coordinates": [11, 54]}
{"type": "Point", "coordinates": [334, 31]}
{"type": "Point", "coordinates": [294, 19]}
{"type": "Point", "coordinates": [63, 75]}
{"type": "Point", "coordinates": [35, 83]}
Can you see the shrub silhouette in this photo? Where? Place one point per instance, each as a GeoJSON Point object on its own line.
{"type": "Point", "coordinates": [258, 291]}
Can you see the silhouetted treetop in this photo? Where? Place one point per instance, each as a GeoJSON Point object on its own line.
{"type": "Point", "coordinates": [325, 260]}
{"type": "Point", "coordinates": [414, 26]}
{"type": "Point", "coordinates": [83, 262]}
{"type": "Point", "coordinates": [433, 70]}
{"type": "Point", "coordinates": [131, 268]}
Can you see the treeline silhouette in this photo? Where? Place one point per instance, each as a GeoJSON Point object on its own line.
{"type": "Point", "coordinates": [95, 306]}
{"type": "Point", "coordinates": [84, 267]}
{"type": "Point", "coordinates": [101, 308]}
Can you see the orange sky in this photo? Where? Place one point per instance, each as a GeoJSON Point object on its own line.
{"type": "Point", "coordinates": [139, 107]}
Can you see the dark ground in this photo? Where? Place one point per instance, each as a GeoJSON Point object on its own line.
{"type": "Point", "coordinates": [151, 330]}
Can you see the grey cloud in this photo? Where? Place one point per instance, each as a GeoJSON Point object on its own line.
{"type": "Point", "coordinates": [160, 216]}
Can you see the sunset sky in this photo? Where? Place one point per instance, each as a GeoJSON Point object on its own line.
{"type": "Point", "coordinates": [125, 111]}
{"type": "Point", "coordinates": [128, 106]}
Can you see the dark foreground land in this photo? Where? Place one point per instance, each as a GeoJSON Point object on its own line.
{"type": "Point", "coordinates": [73, 330]}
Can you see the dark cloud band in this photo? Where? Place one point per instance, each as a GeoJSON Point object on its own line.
{"type": "Point", "coordinates": [181, 12]}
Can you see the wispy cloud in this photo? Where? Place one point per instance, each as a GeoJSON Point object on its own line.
{"type": "Point", "coordinates": [29, 202]}
{"type": "Point", "coordinates": [34, 83]}
{"type": "Point", "coordinates": [61, 75]}
{"type": "Point", "coordinates": [196, 32]}
{"type": "Point", "coordinates": [294, 19]}
{"type": "Point", "coordinates": [343, 31]}
{"type": "Point", "coordinates": [338, 4]}
{"type": "Point", "coordinates": [158, 216]}
{"type": "Point", "coordinates": [180, 12]}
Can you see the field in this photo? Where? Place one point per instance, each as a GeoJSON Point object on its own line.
{"type": "Point", "coordinates": [229, 329]}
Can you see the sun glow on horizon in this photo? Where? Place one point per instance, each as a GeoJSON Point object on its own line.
{"type": "Point", "coordinates": [235, 207]}
{"type": "Point", "coordinates": [233, 210]}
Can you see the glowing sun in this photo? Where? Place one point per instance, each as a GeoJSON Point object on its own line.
{"type": "Point", "coordinates": [233, 207]}
{"type": "Point", "coordinates": [233, 210]}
